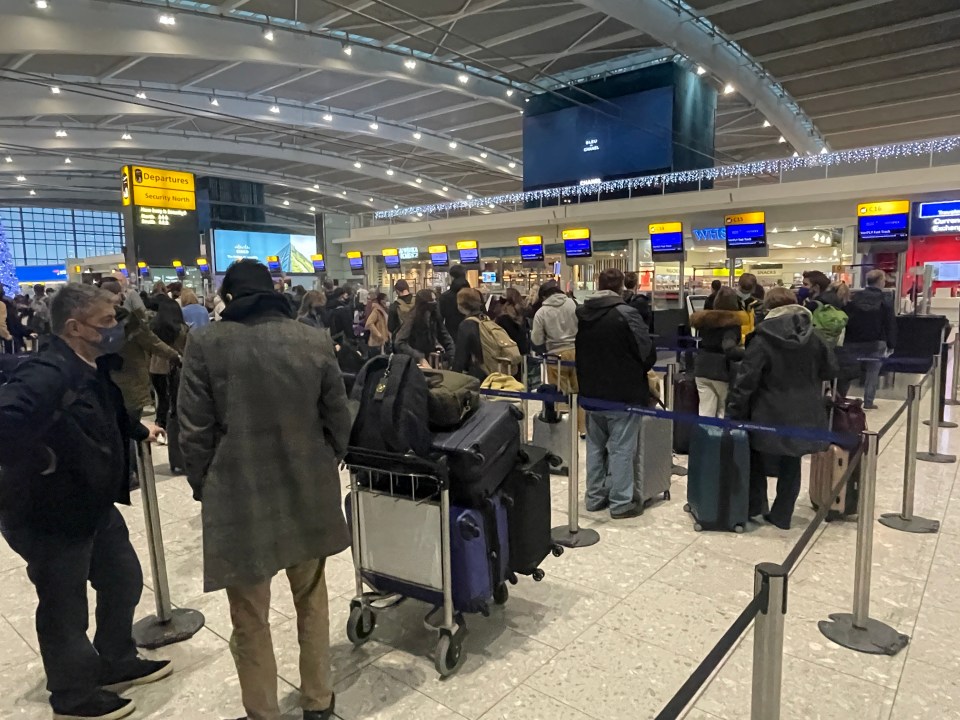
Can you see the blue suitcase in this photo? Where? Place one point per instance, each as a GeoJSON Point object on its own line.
{"type": "Point", "coordinates": [718, 483]}
{"type": "Point", "coordinates": [405, 553]}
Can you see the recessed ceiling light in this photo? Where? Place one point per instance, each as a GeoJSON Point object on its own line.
{"type": "Point", "coordinates": [511, 165]}
{"type": "Point", "coordinates": [796, 154]}
{"type": "Point", "coordinates": [327, 117]}
{"type": "Point", "coordinates": [781, 139]}
{"type": "Point", "coordinates": [766, 123]}
{"type": "Point", "coordinates": [369, 199]}
{"type": "Point", "coordinates": [21, 178]}
{"type": "Point", "coordinates": [61, 133]}
{"type": "Point", "coordinates": [67, 161]}
{"type": "Point", "coordinates": [168, 19]}
{"type": "Point", "coordinates": [55, 90]}
{"type": "Point", "coordinates": [417, 136]}
{"type": "Point", "coordinates": [701, 70]}
{"type": "Point", "coordinates": [410, 64]}
{"type": "Point", "coordinates": [214, 102]}
{"type": "Point", "coordinates": [419, 214]}
{"type": "Point", "coordinates": [510, 92]}
{"type": "Point", "coordinates": [823, 151]}
{"type": "Point", "coordinates": [419, 181]}
{"type": "Point", "coordinates": [275, 109]}
{"type": "Point", "coordinates": [312, 209]}
{"type": "Point", "coordinates": [316, 187]}
{"type": "Point", "coordinates": [483, 155]}
{"type": "Point", "coordinates": [8, 159]}
{"type": "Point", "coordinates": [445, 188]}
{"type": "Point", "coordinates": [358, 165]}
{"type": "Point", "coordinates": [374, 126]}
{"type": "Point", "coordinates": [521, 112]}
{"type": "Point", "coordinates": [126, 136]}
{"type": "Point", "coordinates": [793, 229]}
{"type": "Point", "coordinates": [728, 88]}
{"type": "Point", "coordinates": [396, 207]}
{"type": "Point", "coordinates": [41, 4]}
{"type": "Point", "coordinates": [286, 202]}
{"type": "Point", "coordinates": [347, 50]}
{"type": "Point", "coordinates": [775, 230]}
{"type": "Point", "coordinates": [491, 206]}
{"type": "Point", "coordinates": [389, 171]}
{"type": "Point", "coordinates": [141, 95]}
{"type": "Point", "coordinates": [469, 197]}
{"type": "Point", "coordinates": [33, 192]}
{"type": "Point", "coordinates": [268, 34]}
{"type": "Point", "coordinates": [453, 145]}
{"type": "Point", "coordinates": [463, 79]}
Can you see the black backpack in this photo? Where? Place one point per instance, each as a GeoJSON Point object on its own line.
{"type": "Point", "coordinates": [393, 397]}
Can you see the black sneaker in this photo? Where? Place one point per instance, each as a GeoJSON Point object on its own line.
{"type": "Point", "coordinates": [870, 406]}
{"type": "Point", "coordinates": [631, 511]}
{"type": "Point", "coordinates": [321, 714]}
{"type": "Point", "coordinates": [135, 672]}
{"type": "Point", "coordinates": [102, 706]}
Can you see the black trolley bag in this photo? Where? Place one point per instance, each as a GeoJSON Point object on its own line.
{"type": "Point", "coordinates": [526, 494]}
{"type": "Point", "coordinates": [174, 453]}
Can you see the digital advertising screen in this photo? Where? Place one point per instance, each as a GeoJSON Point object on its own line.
{"type": "Point", "coordinates": [576, 243]}
{"type": "Point", "coordinates": [391, 258]}
{"type": "Point", "coordinates": [883, 221]}
{"type": "Point", "coordinates": [746, 231]}
{"type": "Point", "coordinates": [489, 277]}
{"type": "Point", "coordinates": [469, 252]}
{"type": "Point", "coordinates": [439, 257]}
{"type": "Point", "coordinates": [531, 248]}
{"type": "Point", "coordinates": [355, 258]}
{"type": "Point", "coordinates": [666, 238]}
{"type": "Point", "coordinates": [294, 251]}
{"type": "Point", "coordinates": [941, 217]}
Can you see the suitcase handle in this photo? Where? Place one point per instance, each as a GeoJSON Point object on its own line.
{"type": "Point", "coordinates": [468, 528]}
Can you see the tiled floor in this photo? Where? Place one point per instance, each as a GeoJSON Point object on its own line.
{"type": "Point", "coordinates": [611, 632]}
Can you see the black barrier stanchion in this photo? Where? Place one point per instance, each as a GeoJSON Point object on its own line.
{"type": "Point", "coordinates": [572, 535]}
{"type": "Point", "coordinates": [770, 584]}
{"type": "Point", "coordinates": [858, 631]}
{"type": "Point", "coordinates": [942, 395]}
{"type": "Point", "coordinates": [932, 455]}
{"type": "Point", "coordinates": [169, 625]}
{"type": "Point", "coordinates": [955, 384]}
{"type": "Point", "coordinates": [905, 520]}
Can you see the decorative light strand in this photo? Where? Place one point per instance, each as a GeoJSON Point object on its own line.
{"type": "Point", "coordinates": [721, 172]}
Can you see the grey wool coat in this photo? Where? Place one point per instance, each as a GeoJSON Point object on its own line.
{"type": "Point", "coordinates": [264, 421]}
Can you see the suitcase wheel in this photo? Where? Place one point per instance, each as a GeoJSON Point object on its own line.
{"type": "Point", "coordinates": [666, 495]}
{"type": "Point", "coordinates": [358, 631]}
{"type": "Point", "coordinates": [686, 507]}
{"type": "Point", "coordinates": [501, 594]}
{"type": "Point", "coordinates": [554, 460]}
{"type": "Point", "coordinates": [557, 550]}
{"type": "Point", "coordinates": [537, 575]}
{"type": "Point", "coordinates": [738, 529]}
{"type": "Point", "coordinates": [698, 527]}
{"type": "Point", "coordinates": [448, 656]}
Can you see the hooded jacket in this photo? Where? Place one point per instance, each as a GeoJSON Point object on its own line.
{"type": "Point", "coordinates": [871, 318]}
{"type": "Point", "coordinates": [555, 324]}
{"type": "Point", "coordinates": [452, 317]}
{"type": "Point", "coordinates": [395, 320]}
{"type": "Point", "coordinates": [720, 342]}
{"type": "Point", "coordinates": [780, 382]}
{"type": "Point", "coordinates": [614, 350]}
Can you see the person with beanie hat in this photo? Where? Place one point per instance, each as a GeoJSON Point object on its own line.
{"type": "Point", "coordinates": [264, 425]}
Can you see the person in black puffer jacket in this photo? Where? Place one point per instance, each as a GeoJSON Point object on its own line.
{"type": "Point", "coordinates": [424, 332]}
{"type": "Point", "coordinates": [720, 348]}
{"type": "Point", "coordinates": [452, 317]}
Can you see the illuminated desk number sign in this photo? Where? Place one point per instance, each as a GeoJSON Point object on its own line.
{"type": "Point", "coordinates": [439, 256]}
{"type": "Point", "coordinates": [746, 231]}
{"type": "Point", "coordinates": [531, 248]}
{"type": "Point", "coordinates": [355, 258]}
{"type": "Point", "coordinates": [143, 269]}
{"type": "Point", "coordinates": [883, 221]}
{"type": "Point", "coordinates": [576, 243]}
{"type": "Point", "coordinates": [319, 264]}
{"type": "Point", "coordinates": [273, 263]}
{"type": "Point", "coordinates": [666, 238]}
{"type": "Point", "coordinates": [391, 258]}
{"type": "Point", "coordinates": [469, 252]}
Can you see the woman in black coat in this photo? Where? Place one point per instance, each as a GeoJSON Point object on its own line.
{"type": "Point", "coordinates": [424, 332]}
{"type": "Point", "coordinates": [780, 382]}
{"type": "Point", "coordinates": [720, 348]}
{"type": "Point", "coordinates": [513, 319]}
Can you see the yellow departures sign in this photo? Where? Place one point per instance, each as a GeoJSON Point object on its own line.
{"type": "Point", "coordinates": [889, 207]}
{"type": "Point", "coordinates": [663, 228]}
{"type": "Point", "coordinates": [752, 218]}
{"type": "Point", "coordinates": [158, 188]}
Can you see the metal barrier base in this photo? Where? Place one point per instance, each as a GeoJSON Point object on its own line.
{"type": "Point", "coordinates": [951, 402]}
{"type": "Point", "coordinates": [945, 424]}
{"type": "Point", "coordinates": [678, 470]}
{"type": "Point", "coordinates": [876, 638]}
{"type": "Point", "coordinates": [584, 537]}
{"type": "Point", "coordinates": [150, 633]}
{"type": "Point", "coordinates": [936, 457]}
{"type": "Point", "coordinates": [913, 525]}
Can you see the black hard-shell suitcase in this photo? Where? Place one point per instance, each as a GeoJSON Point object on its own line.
{"type": "Point", "coordinates": [527, 497]}
{"type": "Point", "coordinates": [686, 400]}
{"type": "Point", "coordinates": [481, 452]}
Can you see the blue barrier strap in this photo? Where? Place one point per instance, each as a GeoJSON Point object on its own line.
{"type": "Point", "coordinates": [517, 395]}
{"type": "Point", "coordinates": [841, 439]}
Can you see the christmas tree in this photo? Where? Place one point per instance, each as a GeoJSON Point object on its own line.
{"type": "Point", "coordinates": [8, 276]}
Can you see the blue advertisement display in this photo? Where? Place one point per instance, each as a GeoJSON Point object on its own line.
{"type": "Point", "coordinates": [662, 243]}
{"type": "Point", "coordinates": [294, 251]}
{"type": "Point", "coordinates": [935, 218]}
{"type": "Point", "coordinates": [578, 248]}
{"type": "Point", "coordinates": [709, 234]}
{"type": "Point", "coordinates": [41, 273]}
{"type": "Point", "coordinates": [753, 235]}
{"type": "Point", "coordinates": [884, 228]}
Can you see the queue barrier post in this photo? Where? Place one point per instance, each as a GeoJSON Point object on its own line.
{"type": "Point", "coordinates": [170, 625]}
{"type": "Point", "coordinates": [954, 400]}
{"type": "Point", "coordinates": [931, 455]}
{"type": "Point", "coordinates": [572, 535]}
{"type": "Point", "coordinates": [905, 520]}
{"type": "Point", "coordinates": [942, 402]}
{"type": "Point", "coordinates": [525, 404]}
{"type": "Point", "coordinates": [857, 630]}
{"type": "Point", "coordinates": [770, 582]}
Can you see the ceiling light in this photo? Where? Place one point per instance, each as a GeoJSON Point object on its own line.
{"type": "Point", "coordinates": [510, 92]}
{"type": "Point", "coordinates": [774, 230]}
{"type": "Point", "coordinates": [823, 151]}
{"type": "Point", "coordinates": [41, 4]}
{"type": "Point", "coordinates": [453, 145]}
{"type": "Point", "coordinates": [463, 79]}
{"type": "Point", "coordinates": [21, 178]}
{"type": "Point", "coordinates": [167, 19]}
{"type": "Point", "coordinates": [55, 90]}
{"type": "Point", "coordinates": [347, 50]}
{"type": "Point", "coordinates": [410, 64]}
{"type": "Point", "coordinates": [214, 102]}
{"type": "Point", "coordinates": [61, 133]}
{"type": "Point", "coordinates": [728, 88]}
{"type": "Point", "coordinates": [521, 112]}
{"type": "Point", "coordinates": [389, 171]}
{"type": "Point", "coordinates": [8, 159]}
{"type": "Point", "coordinates": [33, 192]}
{"type": "Point", "coordinates": [419, 181]}
{"type": "Point", "coordinates": [483, 155]}
{"type": "Point", "coordinates": [316, 187]}
{"type": "Point", "coordinates": [312, 209]}
{"type": "Point", "coordinates": [126, 136]}
{"type": "Point", "coordinates": [141, 95]}
{"type": "Point", "coordinates": [67, 161]}
{"type": "Point", "coordinates": [374, 126]}
{"type": "Point", "coordinates": [358, 165]}
{"type": "Point", "coordinates": [268, 34]}
{"type": "Point", "coordinates": [396, 207]}
{"type": "Point", "coordinates": [796, 154]}
{"type": "Point", "coordinates": [369, 199]}
{"type": "Point", "coordinates": [793, 229]}
{"type": "Point", "coordinates": [417, 136]}
{"type": "Point", "coordinates": [275, 109]}
{"type": "Point", "coordinates": [286, 202]}
{"type": "Point", "coordinates": [511, 165]}
{"type": "Point", "coordinates": [327, 117]}
{"type": "Point", "coordinates": [701, 70]}
{"type": "Point", "coordinates": [781, 139]}
{"type": "Point", "coordinates": [469, 197]}
{"type": "Point", "coordinates": [445, 188]}
{"type": "Point", "coordinates": [491, 206]}
{"type": "Point", "coordinates": [419, 214]}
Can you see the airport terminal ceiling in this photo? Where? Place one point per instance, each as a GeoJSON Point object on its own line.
{"type": "Point", "coordinates": [354, 105]}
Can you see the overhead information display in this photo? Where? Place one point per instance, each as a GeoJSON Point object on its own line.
{"type": "Point", "coordinates": [391, 258]}
{"type": "Point", "coordinates": [319, 264]}
{"type": "Point", "coordinates": [576, 243]}
{"type": "Point", "coordinates": [160, 214]}
{"type": "Point", "coordinates": [469, 252]}
{"type": "Point", "coordinates": [746, 230]}
{"type": "Point", "coordinates": [531, 248]}
{"type": "Point", "coordinates": [666, 238]}
{"type": "Point", "coordinates": [355, 258]}
{"type": "Point", "coordinates": [439, 256]}
{"type": "Point", "coordinates": [883, 221]}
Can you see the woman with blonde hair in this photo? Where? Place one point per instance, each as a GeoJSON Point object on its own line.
{"type": "Point", "coordinates": [195, 315]}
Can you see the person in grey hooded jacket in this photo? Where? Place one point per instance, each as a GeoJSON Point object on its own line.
{"type": "Point", "coordinates": [555, 332]}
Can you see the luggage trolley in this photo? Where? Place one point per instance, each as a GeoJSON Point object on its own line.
{"type": "Point", "coordinates": [409, 495]}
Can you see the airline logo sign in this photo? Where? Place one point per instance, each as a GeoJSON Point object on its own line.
{"type": "Point", "coordinates": [156, 188]}
{"type": "Point", "coordinates": [891, 207]}
{"type": "Point", "coordinates": [662, 228]}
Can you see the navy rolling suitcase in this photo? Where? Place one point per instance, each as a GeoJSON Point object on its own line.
{"type": "Point", "coordinates": [481, 452]}
{"type": "Point", "coordinates": [718, 484]}
{"type": "Point", "coordinates": [527, 497]}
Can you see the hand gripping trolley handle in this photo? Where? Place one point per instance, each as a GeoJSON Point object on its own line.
{"type": "Point", "coordinates": [399, 510]}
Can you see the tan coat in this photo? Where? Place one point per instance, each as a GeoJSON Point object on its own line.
{"type": "Point", "coordinates": [4, 331]}
{"type": "Point", "coordinates": [377, 325]}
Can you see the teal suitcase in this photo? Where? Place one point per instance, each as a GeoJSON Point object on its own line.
{"type": "Point", "coordinates": [718, 483]}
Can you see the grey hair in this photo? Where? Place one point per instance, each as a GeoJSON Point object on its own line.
{"type": "Point", "coordinates": [74, 300]}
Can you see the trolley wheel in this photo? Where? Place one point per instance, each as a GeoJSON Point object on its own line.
{"type": "Point", "coordinates": [738, 529]}
{"type": "Point", "coordinates": [686, 507]}
{"type": "Point", "coordinates": [501, 593]}
{"type": "Point", "coordinates": [557, 550]}
{"type": "Point", "coordinates": [698, 527]}
{"type": "Point", "coordinates": [356, 633]}
{"type": "Point", "coordinates": [449, 655]}
{"type": "Point", "coordinates": [537, 575]}
{"type": "Point", "coordinates": [666, 495]}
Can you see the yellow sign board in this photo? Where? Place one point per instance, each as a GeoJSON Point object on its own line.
{"type": "Point", "coordinates": [166, 199]}
{"type": "Point", "coordinates": [437, 249]}
{"type": "Point", "coordinates": [576, 234]}
{"type": "Point", "coordinates": [201, 261]}
{"type": "Point", "coordinates": [724, 272]}
{"type": "Point", "coordinates": [530, 240]}
{"type": "Point", "coordinates": [157, 188]}
{"type": "Point", "coordinates": [890, 207]}
{"type": "Point", "coordinates": [671, 227]}
{"type": "Point", "coordinates": [752, 218]}
{"type": "Point", "coordinates": [125, 190]}
{"type": "Point", "coordinates": [317, 258]}
{"type": "Point", "coordinates": [467, 245]}
{"type": "Point", "coordinates": [354, 254]}
{"type": "Point", "coordinates": [161, 179]}
{"type": "Point", "coordinates": [177, 263]}
{"type": "Point", "coordinates": [390, 252]}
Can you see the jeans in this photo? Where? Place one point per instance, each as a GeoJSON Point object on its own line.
{"type": "Point", "coordinates": [59, 568]}
{"type": "Point", "coordinates": [252, 644]}
{"type": "Point", "coordinates": [612, 439]}
{"type": "Point", "coordinates": [713, 396]}
{"type": "Point", "coordinates": [871, 368]}
{"type": "Point", "coordinates": [788, 486]}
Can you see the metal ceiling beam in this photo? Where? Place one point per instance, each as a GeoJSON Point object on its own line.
{"type": "Point", "coordinates": [297, 77]}
{"type": "Point", "coordinates": [676, 25]}
{"type": "Point", "coordinates": [332, 18]}
{"type": "Point", "coordinates": [468, 11]}
{"type": "Point", "coordinates": [120, 67]}
{"type": "Point", "coordinates": [727, 7]}
{"type": "Point", "coordinates": [818, 16]}
{"type": "Point", "coordinates": [207, 74]}
{"type": "Point", "coordinates": [872, 60]}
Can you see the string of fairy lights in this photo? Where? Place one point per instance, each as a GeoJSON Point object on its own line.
{"type": "Point", "coordinates": [756, 168]}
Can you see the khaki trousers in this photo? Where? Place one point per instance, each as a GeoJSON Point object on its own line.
{"type": "Point", "coordinates": [252, 644]}
{"type": "Point", "coordinates": [566, 382]}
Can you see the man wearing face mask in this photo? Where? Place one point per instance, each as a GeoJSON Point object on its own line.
{"type": "Point", "coordinates": [64, 443]}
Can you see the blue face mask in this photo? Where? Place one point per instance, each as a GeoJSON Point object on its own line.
{"type": "Point", "coordinates": [112, 339]}
{"type": "Point", "coordinates": [803, 293]}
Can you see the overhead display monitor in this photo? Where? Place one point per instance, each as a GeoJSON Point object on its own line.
{"type": "Point", "coordinates": [391, 258]}
{"type": "Point", "coordinates": [409, 253]}
{"type": "Point", "coordinates": [489, 277]}
{"type": "Point", "coordinates": [319, 264]}
{"type": "Point", "coordinates": [355, 258]}
{"type": "Point", "coordinates": [439, 256]}
{"type": "Point", "coordinates": [273, 263]}
{"type": "Point", "coordinates": [294, 251]}
{"type": "Point", "coordinates": [666, 238]}
{"type": "Point", "coordinates": [746, 231]}
{"type": "Point", "coordinates": [576, 243]}
{"type": "Point", "coordinates": [203, 266]}
{"type": "Point", "coordinates": [883, 222]}
{"type": "Point", "coordinates": [941, 217]}
{"type": "Point", "coordinates": [531, 248]}
{"type": "Point", "coordinates": [469, 252]}
{"type": "Point", "coordinates": [160, 214]}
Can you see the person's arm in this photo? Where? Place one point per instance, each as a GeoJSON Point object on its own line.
{"type": "Point", "coordinates": [641, 335]}
{"type": "Point", "coordinates": [537, 336]}
{"type": "Point", "coordinates": [198, 424]}
{"type": "Point", "coordinates": [148, 341]}
{"type": "Point", "coordinates": [335, 418]}
{"type": "Point", "coordinates": [746, 383]}
{"type": "Point", "coordinates": [889, 322]}
{"type": "Point", "coordinates": [28, 403]}
{"type": "Point", "coordinates": [444, 338]}
{"type": "Point", "coordinates": [461, 361]}
{"type": "Point", "coordinates": [403, 342]}
{"type": "Point", "coordinates": [731, 344]}
{"type": "Point", "coordinates": [4, 330]}
{"type": "Point", "coordinates": [393, 318]}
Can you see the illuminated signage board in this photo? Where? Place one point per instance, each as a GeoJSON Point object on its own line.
{"type": "Point", "coordinates": [531, 248]}
{"type": "Point", "coordinates": [666, 238]}
{"type": "Point", "coordinates": [713, 234]}
{"type": "Point", "coordinates": [439, 256]}
{"type": "Point", "coordinates": [409, 253]}
{"type": "Point", "coordinates": [576, 243]}
{"type": "Point", "coordinates": [469, 252]}
{"type": "Point", "coordinates": [746, 230]}
{"type": "Point", "coordinates": [391, 258]}
{"type": "Point", "coordinates": [162, 213]}
{"type": "Point", "coordinates": [143, 268]}
{"type": "Point", "coordinates": [273, 263]}
{"type": "Point", "coordinates": [489, 277]}
{"type": "Point", "coordinates": [202, 265]}
{"type": "Point", "coordinates": [319, 264]}
{"type": "Point", "coordinates": [936, 218]}
{"type": "Point", "coordinates": [355, 258]}
{"type": "Point", "coordinates": [883, 221]}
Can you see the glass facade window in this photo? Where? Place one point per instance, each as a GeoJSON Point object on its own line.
{"type": "Point", "coordinates": [48, 236]}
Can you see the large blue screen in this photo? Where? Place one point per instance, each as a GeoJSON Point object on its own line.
{"type": "Point", "coordinates": [294, 250]}
{"type": "Point", "coordinates": [621, 137]}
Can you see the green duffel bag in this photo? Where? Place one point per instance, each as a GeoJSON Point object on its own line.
{"type": "Point", "coordinates": [453, 397]}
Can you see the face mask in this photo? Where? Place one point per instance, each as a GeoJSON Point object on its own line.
{"type": "Point", "coordinates": [112, 339]}
{"type": "Point", "coordinates": [803, 293]}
